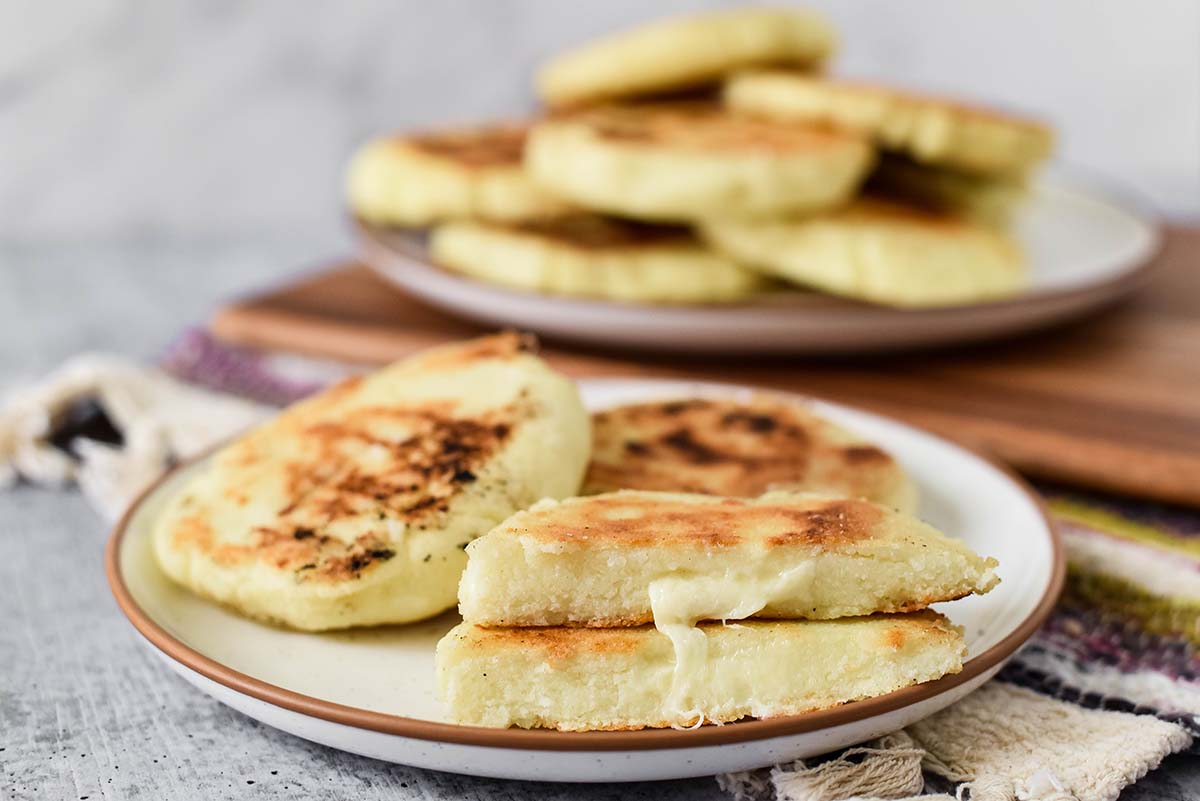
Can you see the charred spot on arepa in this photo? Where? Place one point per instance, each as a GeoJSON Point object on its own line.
{"type": "Point", "coordinates": [486, 146]}
{"type": "Point", "coordinates": [633, 519]}
{"type": "Point", "coordinates": [723, 446]}
{"type": "Point", "coordinates": [358, 497]}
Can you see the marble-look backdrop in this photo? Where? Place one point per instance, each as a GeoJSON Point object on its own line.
{"type": "Point", "coordinates": [215, 117]}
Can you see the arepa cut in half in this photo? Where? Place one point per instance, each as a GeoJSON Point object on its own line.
{"type": "Point", "coordinates": [739, 447]}
{"type": "Point", "coordinates": [411, 180]}
{"type": "Point", "coordinates": [352, 508]}
{"type": "Point", "coordinates": [632, 557]}
{"type": "Point", "coordinates": [627, 678]}
{"type": "Point", "coordinates": [689, 161]}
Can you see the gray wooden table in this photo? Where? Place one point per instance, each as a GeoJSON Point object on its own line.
{"type": "Point", "coordinates": [85, 711]}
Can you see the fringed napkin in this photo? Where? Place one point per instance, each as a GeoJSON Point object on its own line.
{"type": "Point", "coordinates": [1000, 743]}
{"type": "Point", "coordinates": [1102, 693]}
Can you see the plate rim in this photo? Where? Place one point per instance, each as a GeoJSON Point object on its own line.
{"type": "Point", "coordinates": [1079, 181]}
{"type": "Point", "coordinates": [551, 740]}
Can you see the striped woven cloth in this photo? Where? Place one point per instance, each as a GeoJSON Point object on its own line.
{"type": "Point", "coordinates": [1125, 634]}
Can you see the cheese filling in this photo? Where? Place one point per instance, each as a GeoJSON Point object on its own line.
{"type": "Point", "coordinates": [680, 600]}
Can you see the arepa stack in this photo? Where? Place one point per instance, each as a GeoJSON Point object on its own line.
{"type": "Point", "coordinates": [703, 591]}
{"type": "Point", "coordinates": [636, 609]}
{"type": "Point", "coordinates": [718, 163]}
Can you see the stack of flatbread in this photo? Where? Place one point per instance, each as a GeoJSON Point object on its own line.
{"type": "Point", "coordinates": [708, 159]}
{"type": "Point", "coordinates": [692, 596]}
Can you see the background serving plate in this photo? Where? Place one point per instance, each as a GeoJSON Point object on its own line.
{"type": "Point", "coordinates": [1086, 249]}
{"type": "Point", "coordinates": [370, 691]}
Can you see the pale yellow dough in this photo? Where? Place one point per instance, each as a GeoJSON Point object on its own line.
{"type": "Point", "coordinates": [880, 252]}
{"type": "Point", "coordinates": [419, 179]}
{"type": "Point", "coordinates": [586, 679]}
{"type": "Point", "coordinates": [929, 130]}
{"type": "Point", "coordinates": [688, 161]}
{"type": "Point", "coordinates": [682, 53]}
{"type": "Point", "coordinates": [594, 257]}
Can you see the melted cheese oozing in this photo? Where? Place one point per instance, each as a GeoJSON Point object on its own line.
{"type": "Point", "coordinates": [680, 600]}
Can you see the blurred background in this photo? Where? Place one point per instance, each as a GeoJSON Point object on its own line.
{"type": "Point", "coordinates": [207, 139]}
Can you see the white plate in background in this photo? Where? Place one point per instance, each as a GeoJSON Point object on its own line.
{"type": "Point", "coordinates": [1086, 248]}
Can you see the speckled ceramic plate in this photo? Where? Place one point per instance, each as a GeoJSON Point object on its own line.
{"type": "Point", "coordinates": [371, 691]}
{"type": "Point", "coordinates": [1088, 247]}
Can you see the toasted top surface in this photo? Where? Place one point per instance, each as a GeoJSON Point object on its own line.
{"type": "Point", "coordinates": [931, 129]}
{"type": "Point", "coordinates": [329, 487]}
{"type": "Point", "coordinates": [685, 52]}
{"type": "Point", "coordinates": [701, 127]}
{"type": "Point", "coordinates": [733, 447]}
{"type": "Point", "coordinates": [495, 145]}
{"type": "Point", "coordinates": [560, 643]}
{"type": "Point", "coordinates": [636, 518]}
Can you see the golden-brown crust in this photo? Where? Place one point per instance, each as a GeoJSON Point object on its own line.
{"type": "Point", "coordinates": [339, 459]}
{"type": "Point", "coordinates": [727, 447]}
{"type": "Point", "coordinates": [591, 232]}
{"type": "Point", "coordinates": [701, 127]}
{"type": "Point", "coordinates": [475, 148]}
{"type": "Point", "coordinates": [556, 644]}
{"type": "Point", "coordinates": [961, 108]}
{"type": "Point", "coordinates": [505, 345]}
{"type": "Point", "coordinates": [628, 519]}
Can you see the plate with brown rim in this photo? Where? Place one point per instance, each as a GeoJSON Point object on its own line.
{"type": "Point", "coordinates": [371, 691]}
{"type": "Point", "coordinates": [1088, 245]}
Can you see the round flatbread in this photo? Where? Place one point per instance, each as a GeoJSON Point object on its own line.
{"type": "Point", "coordinates": [419, 179]}
{"type": "Point", "coordinates": [930, 130]}
{"type": "Point", "coordinates": [684, 53]}
{"type": "Point", "coordinates": [597, 257]}
{"type": "Point", "coordinates": [881, 252]}
{"type": "Point", "coordinates": [690, 161]}
{"type": "Point", "coordinates": [738, 448]}
{"type": "Point", "coordinates": [354, 507]}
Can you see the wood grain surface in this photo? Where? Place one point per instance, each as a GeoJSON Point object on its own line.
{"type": "Point", "coordinates": [1110, 403]}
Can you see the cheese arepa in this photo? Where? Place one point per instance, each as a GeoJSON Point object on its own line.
{"type": "Point", "coordinates": [633, 557]}
{"type": "Point", "coordinates": [741, 448]}
{"type": "Point", "coordinates": [686, 161]}
{"type": "Point", "coordinates": [929, 130]}
{"type": "Point", "coordinates": [684, 53]}
{"type": "Point", "coordinates": [880, 252]}
{"type": "Point", "coordinates": [417, 179]}
{"type": "Point", "coordinates": [617, 679]}
{"type": "Point", "coordinates": [353, 507]}
{"type": "Point", "coordinates": [595, 257]}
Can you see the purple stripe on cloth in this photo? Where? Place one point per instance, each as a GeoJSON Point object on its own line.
{"type": "Point", "coordinates": [197, 358]}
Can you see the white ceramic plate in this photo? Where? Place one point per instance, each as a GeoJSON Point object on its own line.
{"type": "Point", "coordinates": [371, 691]}
{"type": "Point", "coordinates": [1086, 249]}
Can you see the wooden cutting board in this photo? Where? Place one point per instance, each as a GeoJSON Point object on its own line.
{"type": "Point", "coordinates": [1111, 403]}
